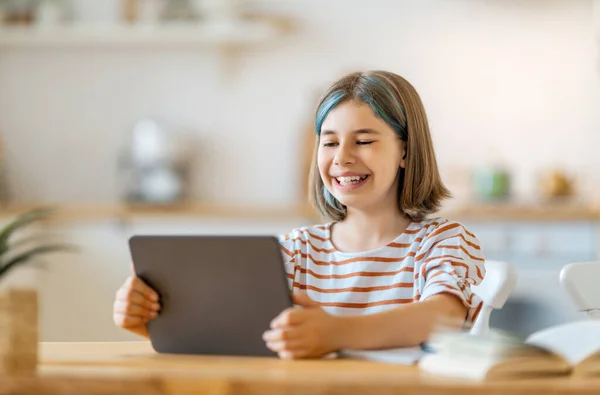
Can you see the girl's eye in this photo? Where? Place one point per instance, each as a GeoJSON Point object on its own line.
{"type": "Point", "coordinates": [364, 142]}
{"type": "Point", "coordinates": [329, 144]}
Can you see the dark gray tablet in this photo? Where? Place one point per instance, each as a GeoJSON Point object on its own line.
{"type": "Point", "coordinates": [218, 294]}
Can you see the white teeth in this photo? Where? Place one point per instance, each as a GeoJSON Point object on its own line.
{"type": "Point", "coordinates": [350, 180]}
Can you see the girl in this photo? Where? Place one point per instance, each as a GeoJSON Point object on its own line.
{"type": "Point", "coordinates": [380, 272]}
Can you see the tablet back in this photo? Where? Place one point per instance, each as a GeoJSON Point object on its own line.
{"type": "Point", "coordinates": [218, 294]}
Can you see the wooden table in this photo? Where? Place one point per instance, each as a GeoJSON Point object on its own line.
{"type": "Point", "coordinates": [131, 368]}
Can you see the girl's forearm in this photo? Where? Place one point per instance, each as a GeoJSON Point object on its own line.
{"type": "Point", "coordinates": [405, 326]}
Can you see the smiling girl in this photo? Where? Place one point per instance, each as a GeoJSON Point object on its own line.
{"type": "Point", "coordinates": [383, 269]}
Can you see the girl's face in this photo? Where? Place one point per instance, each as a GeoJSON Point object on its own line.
{"type": "Point", "coordinates": [359, 157]}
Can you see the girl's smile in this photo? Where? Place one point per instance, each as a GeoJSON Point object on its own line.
{"type": "Point", "coordinates": [349, 181]}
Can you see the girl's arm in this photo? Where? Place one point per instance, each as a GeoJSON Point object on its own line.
{"type": "Point", "coordinates": [404, 326]}
{"type": "Point", "coordinates": [452, 261]}
{"type": "Point", "coordinates": [311, 332]}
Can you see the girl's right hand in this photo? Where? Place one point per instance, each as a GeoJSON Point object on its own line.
{"type": "Point", "coordinates": [135, 304]}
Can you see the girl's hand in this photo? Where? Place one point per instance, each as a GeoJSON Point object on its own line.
{"type": "Point", "coordinates": [135, 304]}
{"type": "Point", "coordinates": [304, 332]}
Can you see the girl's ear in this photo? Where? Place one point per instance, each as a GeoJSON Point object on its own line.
{"type": "Point", "coordinates": [403, 153]}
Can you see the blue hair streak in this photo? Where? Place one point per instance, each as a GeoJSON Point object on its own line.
{"type": "Point", "coordinates": [337, 97]}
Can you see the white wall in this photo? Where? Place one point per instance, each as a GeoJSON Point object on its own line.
{"type": "Point", "coordinates": [512, 80]}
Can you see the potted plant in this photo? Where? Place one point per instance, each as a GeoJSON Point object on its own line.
{"type": "Point", "coordinates": [19, 303]}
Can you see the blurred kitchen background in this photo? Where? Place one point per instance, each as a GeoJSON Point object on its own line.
{"type": "Point", "coordinates": [194, 117]}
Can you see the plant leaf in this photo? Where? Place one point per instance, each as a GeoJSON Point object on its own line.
{"type": "Point", "coordinates": [19, 222]}
{"type": "Point", "coordinates": [26, 256]}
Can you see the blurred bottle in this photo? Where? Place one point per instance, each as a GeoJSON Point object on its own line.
{"type": "Point", "coordinates": [130, 11]}
{"type": "Point", "coordinates": [19, 12]}
{"type": "Point", "coordinates": [491, 178]}
{"type": "Point", "coordinates": [556, 185]}
{"type": "Point", "coordinates": [491, 183]}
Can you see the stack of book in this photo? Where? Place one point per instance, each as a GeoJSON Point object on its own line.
{"type": "Point", "coordinates": [569, 349]}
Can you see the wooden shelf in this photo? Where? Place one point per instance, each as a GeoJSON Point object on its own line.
{"type": "Point", "coordinates": [479, 213]}
{"type": "Point", "coordinates": [525, 212]}
{"type": "Point", "coordinates": [242, 32]}
{"type": "Point", "coordinates": [120, 212]}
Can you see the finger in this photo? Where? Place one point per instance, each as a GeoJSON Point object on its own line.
{"type": "Point", "coordinates": [287, 318]}
{"type": "Point", "coordinates": [292, 354]}
{"type": "Point", "coordinates": [290, 345]}
{"type": "Point", "coordinates": [133, 310]}
{"type": "Point", "coordinates": [133, 297]}
{"type": "Point", "coordinates": [302, 299]}
{"type": "Point", "coordinates": [133, 288]}
{"type": "Point", "coordinates": [281, 334]}
{"type": "Point", "coordinates": [137, 284]}
{"type": "Point", "coordinates": [127, 321]}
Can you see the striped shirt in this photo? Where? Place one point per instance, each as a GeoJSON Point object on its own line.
{"type": "Point", "coordinates": [430, 257]}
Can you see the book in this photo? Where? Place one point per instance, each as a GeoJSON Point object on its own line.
{"type": "Point", "coordinates": [572, 348]}
{"type": "Point", "coordinates": [578, 343]}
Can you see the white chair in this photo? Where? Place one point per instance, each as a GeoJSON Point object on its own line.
{"type": "Point", "coordinates": [577, 340]}
{"type": "Point", "coordinates": [498, 283]}
{"type": "Point", "coordinates": [580, 281]}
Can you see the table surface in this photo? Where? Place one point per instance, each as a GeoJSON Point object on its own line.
{"type": "Point", "coordinates": [134, 367]}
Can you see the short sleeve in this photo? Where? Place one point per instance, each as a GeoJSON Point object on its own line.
{"type": "Point", "coordinates": [287, 244]}
{"type": "Point", "coordinates": [451, 262]}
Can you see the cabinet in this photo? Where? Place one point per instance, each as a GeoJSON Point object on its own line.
{"type": "Point", "coordinates": [77, 290]}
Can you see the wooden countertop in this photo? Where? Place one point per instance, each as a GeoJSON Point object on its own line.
{"type": "Point", "coordinates": [133, 367]}
{"type": "Point", "coordinates": [473, 212]}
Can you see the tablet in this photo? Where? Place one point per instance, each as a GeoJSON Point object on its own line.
{"type": "Point", "coordinates": [218, 294]}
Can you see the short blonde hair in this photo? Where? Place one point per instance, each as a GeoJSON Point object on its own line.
{"type": "Point", "coordinates": [394, 100]}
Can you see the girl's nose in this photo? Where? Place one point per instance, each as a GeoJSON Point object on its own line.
{"type": "Point", "coordinates": [343, 156]}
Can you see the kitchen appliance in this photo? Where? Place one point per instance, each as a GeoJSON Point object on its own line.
{"type": "Point", "coordinates": [155, 165]}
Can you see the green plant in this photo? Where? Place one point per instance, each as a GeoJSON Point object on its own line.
{"type": "Point", "coordinates": [22, 251]}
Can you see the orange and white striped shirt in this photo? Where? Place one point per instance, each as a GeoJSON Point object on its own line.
{"type": "Point", "coordinates": [432, 256]}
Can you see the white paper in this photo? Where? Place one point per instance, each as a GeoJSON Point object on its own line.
{"type": "Point", "coordinates": [399, 356]}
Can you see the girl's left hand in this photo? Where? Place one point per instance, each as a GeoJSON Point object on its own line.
{"type": "Point", "coordinates": [303, 332]}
